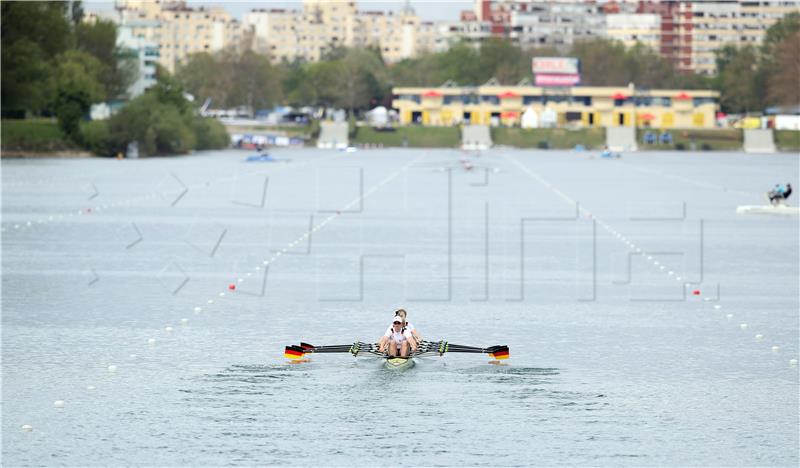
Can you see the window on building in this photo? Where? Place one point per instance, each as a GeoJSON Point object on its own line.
{"type": "Point", "coordinates": [556, 99]}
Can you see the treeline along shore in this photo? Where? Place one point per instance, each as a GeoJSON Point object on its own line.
{"type": "Point", "coordinates": [55, 66]}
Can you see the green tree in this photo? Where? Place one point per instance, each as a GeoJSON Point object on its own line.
{"type": "Point", "coordinates": [100, 40]}
{"type": "Point", "coordinates": [777, 79]}
{"type": "Point", "coordinates": [33, 34]}
{"type": "Point", "coordinates": [205, 76]}
{"type": "Point", "coordinates": [603, 62]}
{"type": "Point", "coordinates": [358, 79]}
{"type": "Point", "coordinates": [646, 68]}
{"type": "Point", "coordinates": [255, 82]}
{"type": "Point", "coordinates": [27, 82]}
{"type": "Point", "coordinates": [737, 71]}
{"type": "Point", "coordinates": [297, 85]}
{"type": "Point", "coordinates": [78, 86]}
{"type": "Point", "coordinates": [783, 84]}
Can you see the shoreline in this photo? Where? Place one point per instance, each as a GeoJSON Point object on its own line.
{"type": "Point", "coordinates": [18, 154]}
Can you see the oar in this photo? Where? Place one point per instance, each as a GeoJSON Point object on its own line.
{"type": "Point", "coordinates": [497, 351]}
{"type": "Point", "coordinates": [299, 351]}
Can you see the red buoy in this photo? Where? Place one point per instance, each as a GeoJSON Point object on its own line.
{"type": "Point", "coordinates": [231, 286]}
{"type": "Point", "coordinates": [696, 292]}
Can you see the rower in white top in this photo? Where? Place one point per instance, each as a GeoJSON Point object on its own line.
{"type": "Point", "coordinates": [399, 337]}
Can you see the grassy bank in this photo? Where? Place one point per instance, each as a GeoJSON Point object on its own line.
{"type": "Point", "coordinates": [34, 135]}
{"type": "Point", "coordinates": [413, 136]}
{"type": "Point", "coordinates": [787, 140]}
{"type": "Point", "coordinates": [549, 138]}
{"type": "Point", "coordinates": [712, 139]}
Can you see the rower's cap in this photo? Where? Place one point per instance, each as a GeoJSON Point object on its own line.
{"type": "Point", "coordinates": [397, 318]}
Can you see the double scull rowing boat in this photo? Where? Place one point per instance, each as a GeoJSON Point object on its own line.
{"type": "Point", "coordinates": [425, 349]}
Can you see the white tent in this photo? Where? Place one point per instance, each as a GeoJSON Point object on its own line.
{"type": "Point", "coordinates": [378, 117]}
{"type": "Point", "coordinates": [549, 118]}
{"type": "Point", "coordinates": [530, 119]}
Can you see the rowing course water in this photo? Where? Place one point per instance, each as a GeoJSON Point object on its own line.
{"type": "Point", "coordinates": [613, 360]}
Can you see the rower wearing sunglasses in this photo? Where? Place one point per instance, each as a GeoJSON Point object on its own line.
{"type": "Point", "coordinates": [398, 339]}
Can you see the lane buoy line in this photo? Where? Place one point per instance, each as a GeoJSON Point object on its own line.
{"type": "Point", "coordinates": [12, 226]}
{"type": "Point", "coordinates": [658, 265]}
{"type": "Point", "coordinates": [169, 329]}
{"type": "Point", "coordinates": [151, 342]}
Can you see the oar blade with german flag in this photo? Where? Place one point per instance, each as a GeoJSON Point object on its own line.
{"type": "Point", "coordinates": [499, 352]}
{"type": "Point", "coordinates": [294, 352]}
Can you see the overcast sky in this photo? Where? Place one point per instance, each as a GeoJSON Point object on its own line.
{"type": "Point", "coordinates": [433, 10]}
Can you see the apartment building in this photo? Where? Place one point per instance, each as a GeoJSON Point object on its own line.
{"type": "Point", "coordinates": [717, 23]}
{"type": "Point", "coordinates": [685, 32]}
{"type": "Point", "coordinates": [633, 28]}
{"type": "Point", "coordinates": [323, 25]}
{"type": "Point", "coordinates": [179, 30]}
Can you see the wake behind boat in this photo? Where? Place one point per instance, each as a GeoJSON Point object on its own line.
{"type": "Point", "coordinates": [778, 209]}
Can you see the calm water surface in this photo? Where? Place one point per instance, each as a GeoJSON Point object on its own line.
{"type": "Point", "coordinates": [614, 361]}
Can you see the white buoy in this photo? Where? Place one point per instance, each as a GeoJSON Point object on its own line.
{"type": "Point", "coordinates": [211, 301]}
{"type": "Point", "coordinates": [112, 369]}
{"type": "Point", "coordinates": [59, 403]}
{"type": "Point", "coordinates": [240, 280]}
{"type": "Point", "coordinates": [717, 306]}
{"type": "Point", "coordinates": [775, 349]}
{"type": "Point", "coordinates": [743, 326]}
{"type": "Point", "coordinates": [729, 316]}
{"type": "Point", "coordinates": [671, 273]}
{"type": "Point", "coordinates": [661, 267]}
{"type": "Point", "coordinates": [27, 428]}
{"type": "Point", "coordinates": [759, 337]}
{"type": "Point", "coordinates": [90, 387]}
{"type": "Point", "coordinates": [221, 294]}
{"type": "Point", "coordinates": [184, 321]}
{"type": "Point", "coordinates": [133, 356]}
{"type": "Point", "coordinates": [168, 329]}
{"type": "Point", "coordinates": [197, 310]}
{"type": "Point", "coordinates": [151, 341]}
{"type": "Point", "coordinates": [793, 362]}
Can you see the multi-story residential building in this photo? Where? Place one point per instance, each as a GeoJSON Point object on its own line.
{"type": "Point", "coordinates": [556, 24]}
{"type": "Point", "coordinates": [633, 28]}
{"type": "Point", "coordinates": [323, 25]}
{"type": "Point", "coordinates": [180, 30]}
{"type": "Point", "coordinates": [685, 32]}
{"type": "Point", "coordinates": [147, 55]}
{"type": "Point", "coordinates": [133, 47]}
{"type": "Point", "coordinates": [717, 23]}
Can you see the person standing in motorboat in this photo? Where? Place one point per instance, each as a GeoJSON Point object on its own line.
{"type": "Point", "coordinates": [779, 194]}
{"type": "Point", "coordinates": [398, 340]}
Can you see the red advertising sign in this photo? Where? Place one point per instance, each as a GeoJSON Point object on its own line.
{"type": "Point", "coordinates": [558, 80]}
{"type": "Point", "coordinates": [556, 65]}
